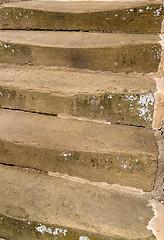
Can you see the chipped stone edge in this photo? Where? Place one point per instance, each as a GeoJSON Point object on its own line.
{"type": "Point", "coordinates": [116, 187]}
{"type": "Point", "coordinates": [156, 223]}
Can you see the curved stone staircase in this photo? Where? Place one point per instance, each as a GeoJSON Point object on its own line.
{"type": "Point", "coordinates": [77, 150]}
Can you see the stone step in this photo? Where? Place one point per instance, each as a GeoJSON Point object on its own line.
{"type": "Point", "coordinates": [116, 98]}
{"type": "Point", "coordinates": [135, 16]}
{"type": "Point", "coordinates": [55, 208]}
{"type": "Point", "coordinates": [94, 51]}
{"type": "Point", "coordinates": [95, 151]}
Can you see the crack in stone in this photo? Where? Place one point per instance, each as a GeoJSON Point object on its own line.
{"type": "Point", "coordinates": [72, 117]}
{"type": "Point", "coordinates": [28, 111]}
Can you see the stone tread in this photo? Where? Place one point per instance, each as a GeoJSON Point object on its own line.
{"type": "Point", "coordinates": [78, 7]}
{"type": "Point", "coordinates": [67, 82]}
{"type": "Point", "coordinates": [101, 96]}
{"type": "Point", "coordinates": [95, 151]}
{"type": "Point", "coordinates": [75, 39]}
{"type": "Point", "coordinates": [94, 51]}
{"type": "Point", "coordinates": [81, 209]}
{"type": "Point", "coordinates": [96, 16]}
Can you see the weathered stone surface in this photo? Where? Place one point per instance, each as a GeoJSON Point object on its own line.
{"type": "Point", "coordinates": [77, 211]}
{"type": "Point", "coordinates": [116, 98]}
{"type": "Point", "coordinates": [95, 151]}
{"type": "Point", "coordinates": [158, 191]}
{"type": "Point", "coordinates": [136, 16]}
{"type": "Point", "coordinates": [11, 1]}
{"type": "Point", "coordinates": [94, 51]}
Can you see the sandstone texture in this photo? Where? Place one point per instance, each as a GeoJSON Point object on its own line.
{"type": "Point", "coordinates": [116, 98]}
{"type": "Point", "coordinates": [136, 16]}
{"type": "Point", "coordinates": [81, 90]}
{"type": "Point", "coordinates": [68, 210]}
{"type": "Point", "coordinates": [82, 50]}
{"type": "Point", "coordinates": [95, 151]}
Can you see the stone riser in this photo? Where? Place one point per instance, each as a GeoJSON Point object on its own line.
{"type": "Point", "coordinates": [141, 17]}
{"type": "Point", "coordinates": [135, 170]}
{"type": "Point", "coordinates": [117, 108]}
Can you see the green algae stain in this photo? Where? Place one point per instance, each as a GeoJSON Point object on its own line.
{"type": "Point", "coordinates": [12, 229]}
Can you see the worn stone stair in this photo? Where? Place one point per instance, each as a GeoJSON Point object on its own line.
{"type": "Point", "coordinates": [139, 16]}
{"type": "Point", "coordinates": [95, 151]}
{"type": "Point", "coordinates": [115, 98]}
{"type": "Point", "coordinates": [77, 149]}
{"type": "Point", "coordinates": [95, 51]}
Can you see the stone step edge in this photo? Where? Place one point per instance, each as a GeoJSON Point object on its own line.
{"type": "Point", "coordinates": [127, 95]}
{"type": "Point", "coordinates": [123, 52]}
{"type": "Point", "coordinates": [100, 185]}
{"type": "Point", "coordinates": [106, 161]}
